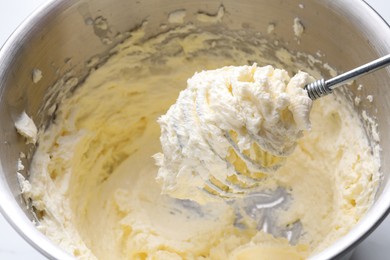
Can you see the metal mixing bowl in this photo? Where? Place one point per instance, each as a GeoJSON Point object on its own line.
{"type": "Point", "coordinates": [62, 37]}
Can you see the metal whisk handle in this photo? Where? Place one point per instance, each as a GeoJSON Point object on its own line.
{"type": "Point", "coordinates": [323, 87]}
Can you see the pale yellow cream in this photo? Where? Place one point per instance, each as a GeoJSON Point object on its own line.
{"type": "Point", "coordinates": [229, 129]}
{"type": "Point", "coordinates": [93, 175]}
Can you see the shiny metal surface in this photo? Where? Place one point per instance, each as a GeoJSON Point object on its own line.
{"type": "Point", "coordinates": [323, 87]}
{"type": "Point", "coordinates": [62, 36]}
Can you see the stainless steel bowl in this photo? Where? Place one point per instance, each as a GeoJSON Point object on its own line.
{"type": "Point", "coordinates": [62, 36]}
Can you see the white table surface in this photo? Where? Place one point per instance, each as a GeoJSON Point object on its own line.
{"type": "Point", "coordinates": [13, 247]}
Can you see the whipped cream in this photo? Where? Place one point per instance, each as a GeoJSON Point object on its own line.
{"type": "Point", "coordinates": [93, 176]}
{"type": "Point", "coordinates": [26, 128]}
{"type": "Point", "coordinates": [228, 125]}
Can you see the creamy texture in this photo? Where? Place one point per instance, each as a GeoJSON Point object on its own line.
{"type": "Point", "coordinates": [26, 127]}
{"type": "Point", "coordinates": [93, 176]}
{"type": "Point", "coordinates": [298, 27]}
{"type": "Point", "coordinates": [36, 75]}
{"type": "Point", "coordinates": [228, 127]}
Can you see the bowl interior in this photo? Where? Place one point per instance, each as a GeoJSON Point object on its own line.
{"type": "Point", "coordinates": [65, 39]}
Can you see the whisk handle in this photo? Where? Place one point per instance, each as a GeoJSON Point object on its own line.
{"type": "Point", "coordinates": [323, 87]}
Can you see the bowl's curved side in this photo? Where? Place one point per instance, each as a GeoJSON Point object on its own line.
{"type": "Point", "coordinates": [12, 206]}
{"type": "Point", "coordinates": [377, 34]}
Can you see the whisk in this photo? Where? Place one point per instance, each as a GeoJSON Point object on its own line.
{"type": "Point", "coordinates": [244, 179]}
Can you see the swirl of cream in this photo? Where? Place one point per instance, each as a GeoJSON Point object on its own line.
{"type": "Point", "coordinates": [228, 129]}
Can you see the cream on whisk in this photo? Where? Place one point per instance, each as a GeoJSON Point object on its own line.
{"type": "Point", "coordinates": [229, 128]}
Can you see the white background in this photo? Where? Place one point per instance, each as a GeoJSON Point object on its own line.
{"type": "Point", "coordinates": [13, 247]}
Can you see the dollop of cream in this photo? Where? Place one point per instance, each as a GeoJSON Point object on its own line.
{"type": "Point", "coordinates": [26, 128]}
{"type": "Point", "coordinates": [228, 128]}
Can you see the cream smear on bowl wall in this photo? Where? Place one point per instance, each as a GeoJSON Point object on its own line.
{"type": "Point", "coordinates": [92, 178]}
